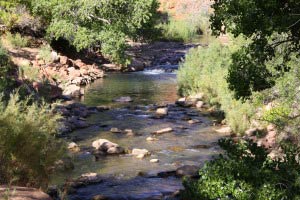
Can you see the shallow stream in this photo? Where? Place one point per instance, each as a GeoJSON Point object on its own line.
{"type": "Point", "coordinates": [188, 144]}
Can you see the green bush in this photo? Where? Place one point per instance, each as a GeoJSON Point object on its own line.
{"type": "Point", "coordinates": [205, 70]}
{"type": "Point", "coordinates": [45, 53]}
{"type": "Point", "coordinates": [28, 144]}
{"type": "Point", "coordinates": [16, 40]}
{"type": "Point", "coordinates": [246, 172]}
{"type": "Point", "coordinates": [28, 72]}
{"type": "Point", "coordinates": [6, 70]}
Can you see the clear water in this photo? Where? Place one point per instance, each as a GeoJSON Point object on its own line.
{"type": "Point", "coordinates": [173, 149]}
{"type": "Point", "coordinates": [144, 88]}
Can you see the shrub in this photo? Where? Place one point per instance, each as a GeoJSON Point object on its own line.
{"type": "Point", "coordinates": [284, 97]}
{"type": "Point", "coordinates": [246, 172]}
{"type": "Point", "coordinates": [6, 70]}
{"type": "Point", "coordinates": [45, 53]}
{"type": "Point", "coordinates": [28, 144]}
{"type": "Point", "coordinates": [28, 72]}
{"type": "Point", "coordinates": [16, 40]}
{"type": "Point", "coordinates": [205, 70]}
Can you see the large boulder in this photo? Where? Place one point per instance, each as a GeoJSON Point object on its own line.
{"type": "Point", "coordinates": [72, 90]}
{"type": "Point", "coordinates": [107, 146]}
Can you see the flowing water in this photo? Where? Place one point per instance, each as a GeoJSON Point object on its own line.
{"type": "Point", "coordinates": [189, 144]}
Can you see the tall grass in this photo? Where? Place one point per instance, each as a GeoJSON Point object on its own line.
{"type": "Point", "coordinates": [205, 70]}
{"type": "Point", "coordinates": [191, 29]}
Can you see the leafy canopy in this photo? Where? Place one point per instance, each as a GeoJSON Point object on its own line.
{"type": "Point", "coordinates": [106, 24]}
{"type": "Point", "coordinates": [272, 25]}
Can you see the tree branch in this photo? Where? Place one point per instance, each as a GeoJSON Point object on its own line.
{"type": "Point", "coordinates": [100, 19]}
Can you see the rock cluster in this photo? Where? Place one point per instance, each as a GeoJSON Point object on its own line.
{"type": "Point", "coordinates": [74, 116]}
{"type": "Point", "coordinates": [67, 73]}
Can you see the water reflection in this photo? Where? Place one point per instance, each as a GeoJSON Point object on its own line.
{"type": "Point", "coordinates": [144, 88]}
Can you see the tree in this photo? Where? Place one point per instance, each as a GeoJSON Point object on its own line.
{"type": "Point", "coordinates": [106, 24]}
{"type": "Point", "coordinates": [91, 23]}
{"type": "Point", "coordinates": [273, 27]}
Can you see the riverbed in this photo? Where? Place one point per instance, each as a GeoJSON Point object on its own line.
{"type": "Point", "coordinates": [127, 177]}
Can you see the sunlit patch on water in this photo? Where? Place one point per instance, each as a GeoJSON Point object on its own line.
{"type": "Point", "coordinates": [156, 71]}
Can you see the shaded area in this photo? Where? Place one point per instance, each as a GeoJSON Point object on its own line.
{"type": "Point", "coordinates": [134, 189]}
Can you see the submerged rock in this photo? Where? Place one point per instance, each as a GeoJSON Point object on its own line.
{"type": "Point", "coordinates": [194, 121]}
{"type": "Point", "coordinates": [129, 132]}
{"type": "Point", "coordinates": [115, 130]}
{"type": "Point", "coordinates": [100, 197]}
{"type": "Point", "coordinates": [123, 99]}
{"type": "Point", "coordinates": [165, 130]}
{"type": "Point", "coordinates": [140, 153]}
{"type": "Point", "coordinates": [151, 139]}
{"type": "Point", "coordinates": [188, 171]}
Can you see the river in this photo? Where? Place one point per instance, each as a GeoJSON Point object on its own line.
{"type": "Point", "coordinates": [188, 144]}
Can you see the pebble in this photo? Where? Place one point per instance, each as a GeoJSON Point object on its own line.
{"type": "Point", "coordinates": [151, 139]}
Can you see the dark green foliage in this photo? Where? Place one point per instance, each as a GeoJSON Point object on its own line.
{"type": "Point", "coordinates": [270, 24]}
{"type": "Point", "coordinates": [245, 173]}
{"type": "Point", "coordinates": [245, 74]}
{"type": "Point", "coordinates": [6, 70]}
{"type": "Point", "coordinates": [102, 23]}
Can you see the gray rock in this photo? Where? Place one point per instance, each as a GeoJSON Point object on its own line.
{"type": "Point", "coordinates": [103, 144]}
{"type": "Point", "coordinates": [188, 171]}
